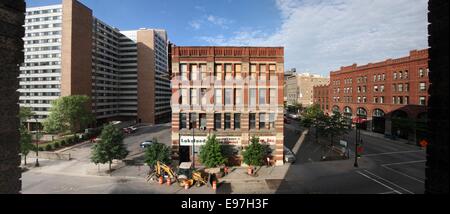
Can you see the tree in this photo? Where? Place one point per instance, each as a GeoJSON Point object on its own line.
{"type": "Point", "coordinates": [211, 154]}
{"type": "Point", "coordinates": [69, 113]}
{"type": "Point", "coordinates": [25, 113]}
{"type": "Point", "coordinates": [25, 143]}
{"type": "Point", "coordinates": [110, 147]}
{"type": "Point", "coordinates": [314, 117]}
{"type": "Point", "coordinates": [157, 152]}
{"type": "Point", "coordinates": [255, 153]}
{"type": "Point", "coordinates": [337, 126]}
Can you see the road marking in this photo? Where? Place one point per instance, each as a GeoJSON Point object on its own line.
{"type": "Point", "coordinates": [407, 162]}
{"type": "Point", "coordinates": [385, 193]}
{"type": "Point", "coordinates": [404, 174]}
{"type": "Point", "coordinates": [376, 176]}
{"type": "Point", "coordinates": [393, 190]}
{"type": "Point", "coordinates": [392, 153]}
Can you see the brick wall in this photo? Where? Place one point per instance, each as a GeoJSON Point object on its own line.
{"type": "Point", "coordinates": [437, 160]}
{"type": "Point", "coordinates": [11, 55]}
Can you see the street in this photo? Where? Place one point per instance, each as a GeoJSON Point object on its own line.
{"type": "Point", "coordinates": [386, 167]}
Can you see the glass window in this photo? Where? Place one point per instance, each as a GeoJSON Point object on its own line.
{"type": "Point", "coordinates": [237, 121]}
{"type": "Point", "coordinates": [422, 86]}
{"type": "Point", "coordinates": [218, 73]}
{"type": "Point", "coordinates": [238, 96]}
{"type": "Point", "coordinates": [252, 92]}
{"type": "Point", "coordinates": [194, 72]}
{"type": "Point", "coordinates": [252, 121]}
{"type": "Point", "coordinates": [202, 120]}
{"type": "Point", "coordinates": [228, 96]}
{"type": "Point", "coordinates": [422, 101]}
{"type": "Point", "coordinates": [421, 72]}
{"type": "Point", "coordinates": [203, 72]}
{"type": "Point", "coordinates": [238, 70]}
{"type": "Point", "coordinates": [227, 121]}
{"type": "Point", "coordinates": [381, 100]}
{"type": "Point", "coordinates": [406, 100]}
{"type": "Point", "coordinates": [183, 121]}
{"type": "Point", "coordinates": [262, 72]}
{"type": "Point", "coordinates": [184, 96]}
{"type": "Point", "coordinates": [400, 87]}
{"type": "Point", "coordinates": [272, 120]}
{"type": "Point", "coordinates": [183, 71]}
{"type": "Point", "coordinates": [194, 97]}
{"type": "Point", "coordinates": [406, 88]}
{"type": "Point", "coordinates": [217, 121]}
{"type": "Point", "coordinates": [193, 120]}
{"type": "Point", "coordinates": [218, 97]}
{"type": "Point", "coordinates": [203, 92]}
{"type": "Point", "coordinates": [228, 72]}
{"type": "Point", "coordinates": [395, 75]}
{"type": "Point", "coordinates": [273, 96]}
{"type": "Point", "coordinates": [262, 96]}
{"type": "Point", "coordinates": [262, 121]}
{"type": "Point", "coordinates": [252, 72]}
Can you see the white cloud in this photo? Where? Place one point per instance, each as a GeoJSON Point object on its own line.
{"type": "Point", "coordinates": [322, 35]}
{"type": "Point", "coordinates": [195, 24]}
{"type": "Point", "coordinates": [219, 21]}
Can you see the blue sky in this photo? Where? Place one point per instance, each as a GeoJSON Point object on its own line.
{"type": "Point", "coordinates": [318, 35]}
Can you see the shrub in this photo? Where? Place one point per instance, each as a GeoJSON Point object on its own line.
{"type": "Point", "coordinates": [41, 149]}
{"type": "Point", "coordinates": [69, 141]}
{"type": "Point", "coordinates": [63, 143]}
{"type": "Point", "coordinates": [255, 153]}
{"type": "Point", "coordinates": [57, 144]}
{"type": "Point", "coordinates": [211, 154]}
{"type": "Point", "coordinates": [48, 147]}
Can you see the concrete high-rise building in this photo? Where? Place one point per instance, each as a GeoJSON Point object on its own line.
{"type": "Point", "coordinates": [299, 88]}
{"type": "Point", "coordinates": [233, 92]}
{"type": "Point", "coordinates": [70, 52]}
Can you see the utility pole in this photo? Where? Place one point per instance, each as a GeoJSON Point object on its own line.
{"type": "Point", "coordinates": [37, 144]}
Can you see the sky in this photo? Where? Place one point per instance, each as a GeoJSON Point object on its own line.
{"type": "Point", "coordinates": [319, 36]}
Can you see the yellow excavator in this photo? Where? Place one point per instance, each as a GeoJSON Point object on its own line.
{"type": "Point", "coordinates": [161, 170]}
{"type": "Point", "coordinates": [186, 175]}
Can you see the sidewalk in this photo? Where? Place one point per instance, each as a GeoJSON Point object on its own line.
{"type": "Point", "coordinates": [382, 136]}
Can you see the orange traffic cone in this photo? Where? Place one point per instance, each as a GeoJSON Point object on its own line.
{"type": "Point", "coordinates": [169, 182]}
{"type": "Point", "coordinates": [214, 186]}
{"type": "Point", "coordinates": [186, 185]}
{"type": "Point", "coordinates": [161, 180]}
{"type": "Point", "coordinates": [250, 171]}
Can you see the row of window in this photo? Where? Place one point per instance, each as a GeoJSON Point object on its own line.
{"type": "Point", "coordinates": [46, 48]}
{"type": "Point", "coordinates": [39, 86]}
{"type": "Point", "coordinates": [43, 56]}
{"type": "Point", "coordinates": [42, 63]}
{"type": "Point", "coordinates": [400, 100]}
{"type": "Point", "coordinates": [43, 26]}
{"type": "Point", "coordinates": [37, 12]}
{"type": "Point", "coordinates": [39, 79]}
{"type": "Point", "coordinates": [43, 19]}
{"type": "Point", "coordinates": [199, 72]}
{"type": "Point", "coordinates": [228, 96]}
{"type": "Point", "coordinates": [199, 121]}
{"type": "Point", "coordinates": [41, 94]}
{"type": "Point", "coordinates": [382, 77]}
{"type": "Point", "coordinates": [43, 71]}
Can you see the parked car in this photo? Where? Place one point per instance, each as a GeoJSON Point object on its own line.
{"type": "Point", "coordinates": [289, 156]}
{"type": "Point", "coordinates": [286, 120]}
{"type": "Point", "coordinates": [293, 116]}
{"type": "Point", "coordinates": [146, 144]}
{"type": "Point", "coordinates": [129, 130]}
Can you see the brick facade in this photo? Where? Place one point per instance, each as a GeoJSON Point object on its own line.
{"type": "Point", "coordinates": [232, 62]}
{"type": "Point", "coordinates": [437, 159]}
{"type": "Point", "coordinates": [383, 90]}
{"type": "Point", "coordinates": [11, 55]}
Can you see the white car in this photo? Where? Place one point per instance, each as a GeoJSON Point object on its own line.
{"type": "Point", "coordinates": [146, 144]}
{"type": "Point", "coordinates": [289, 156]}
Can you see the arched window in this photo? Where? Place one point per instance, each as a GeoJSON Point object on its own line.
{"type": "Point", "coordinates": [361, 112]}
{"type": "Point", "coordinates": [378, 113]}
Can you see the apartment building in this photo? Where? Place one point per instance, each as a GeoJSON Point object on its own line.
{"type": "Point", "coordinates": [380, 92]}
{"type": "Point", "coordinates": [233, 92]}
{"type": "Point", "coordinates": [70, 52]}
{"type": "Point", "coordinates": [299, 88]}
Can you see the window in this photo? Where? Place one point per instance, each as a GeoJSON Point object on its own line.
{"type": "Point", "coordinates": [272, 120]}
{"type": "Point", "coordinates": [364, 99]}
{"type": "Point", "coordinates": [382, 88]}
{"type": "Point", "coordinates": [394, 87]}
{"type": "Point", "coordinates": [252, 72]}
{"type": "Point", "coordinates": [381, 100]}
{"type": "Point", "coordinates": [252, 121]}
{"type": "Point", "coordinates": [183, 121]}
{"type": "Point", "coordinates": [375, 88]}
{"type": "Point", "coordinates": [227, 121]}
{"type": "Point", "coordinates": [400, 87]}
{"type": "Point", "coordinates": [262, 72]}
{"type": "Point", "coordinates": [184, 96]}
{"type": "Point", "coordinates": [194, 72]}
{"type": "Point", "coordinates": [202, 120]}
{"type": "Point", "coordinates": [203, 72]}
{"type": "Point", "coordinates": [422, 101]}
{"type": "Point", "coordinates": [203, 92]}
{"type": "Point", "coordinates": [422, 86]}
{"type": "Point", "coordinates": [238, 96]}
{"type": "Point", "coordinates": [183, 71]}
{"type": "Point", "coordinates": [262, 96]}
{"type": "Point", "coordinates": [384, 76]}
{"type": "Point", "coordinates": [193, 120]}
{"type": "Point", "coordinates": [237, 121]}
{"type": "Point", "coordinates": [252, 92]}
{"type": "Point", "coordinates": [359, 100]}
{"type": "Point", "coordinates": [218, 72]}
{"type": "Point", "coordinates": [217, 121]}
{"type": "Point", "coordinates": [272, 72]}
{"type": "Point", "coordinates": [218, 97]}
{"type": "Point", "coordinates": [375, 99]}
{"type": "Point", "coordinates": [393, 100]}
{"type": "Point", "coordinates": [379, 77]}
{"type": "Point", "coordinates": [406, 100]}
{"type": "Point", "coordinates": [395, 75]}
{"type": "Point", "coordinates": [238, 71]}
{"type": "Point", "coordinates": [194, 97]}
{"type": "Point", "coordinates": [262, 121]}
{"type": "Point", "coordinates": [228, 96]}
{"type": "Point", "coordinates": [406, 74]}
{"type": "Point", "coordinates": [406, 88]}
{"type": "Point", "coordinates": [421, 72]}
{"type": "Point", "coordinates": [228, 72]}
{"type": "Point", "coordinates": [273, 96]}
{"type": "Point", "coordinates": [399, 100]}
{"type": "Point", "coordinates": [400, 75]}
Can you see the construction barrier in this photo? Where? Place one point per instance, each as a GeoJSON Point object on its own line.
{"type": "Point", "coordinates": [169, 182]}
{"type": "Point", "coordinates": [214, 186]}
{"type": "Point", "coordinates": [161, 180]}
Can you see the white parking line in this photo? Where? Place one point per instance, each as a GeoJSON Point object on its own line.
{"type": "Point", "coordinates": [376, 176]}
{"type": "Point", "coordinates": [378, 182]}
{"type": "Point", "coordinates": [392, 153]}
{"type": "Point", "coordinates": [401, 173]}
{"type": "Point", "coordinates": [407, 162]}
{"type": "Point", "coordinates": [385, 193]}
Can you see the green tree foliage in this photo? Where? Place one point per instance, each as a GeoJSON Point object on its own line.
{"type": "Point", "coordinates": [255, 153]}
{"type": "Point", "coordinates": [157, 152]}
{"type": "Point", "coordinates": [211, 154]}
{"type": "Point", "coordinates": [25, 143]}
{"type": "Point", "coordinates": [69, 114]}
{"type": "Point", "coordinates": [110, 147]}
{"type": "Point", "coordinates": [314, 117]}
{"type": "Point", "coordinates": [337, 126]}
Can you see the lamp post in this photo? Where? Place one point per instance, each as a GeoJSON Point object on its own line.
{"type": "Point", "coordinates": [37, 143]}
{"type": "Point", "coordinates": [193, 120]}
{"type": "Point", "coordinates": [356, 146]}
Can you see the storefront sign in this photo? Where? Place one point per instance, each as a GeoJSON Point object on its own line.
{"type": "Point", "coordinates": [201, 140]}
{"type": "Point", "coordinates": [268, 140]}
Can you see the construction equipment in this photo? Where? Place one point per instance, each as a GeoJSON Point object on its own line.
{"type": "Point", "coordinates": [161, 170]}
{"type": "Point", "coordinates": [187, 175]}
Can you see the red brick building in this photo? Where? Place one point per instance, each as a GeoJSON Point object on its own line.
{"type": "Point", "coordinates": [395, 88]}
{"type": "Point", "coordinates": [320, 97]}
{"type": "Point", "coordinates": [232, 92]}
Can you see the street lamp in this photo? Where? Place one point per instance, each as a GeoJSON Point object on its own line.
{"type": "Point", "coordinates": [356, 146]}
{"type": "Point", "coordinates": [37, 143]}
